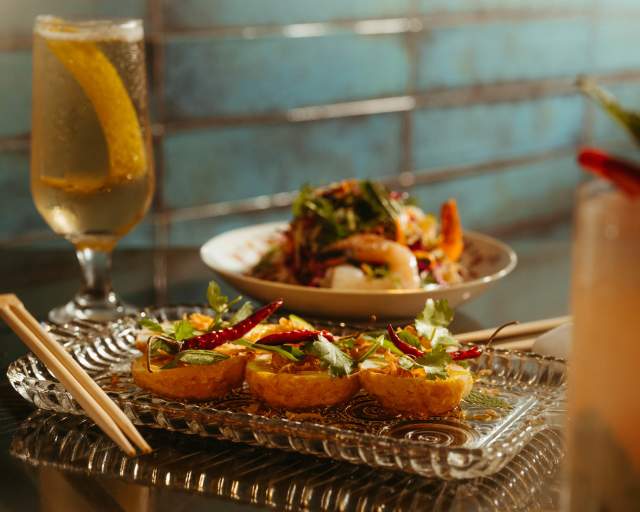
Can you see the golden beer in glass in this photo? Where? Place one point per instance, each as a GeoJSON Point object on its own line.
{"type": "Point", "coordinates": [91, 165]}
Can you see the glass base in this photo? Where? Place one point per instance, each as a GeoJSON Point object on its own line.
{"type": "Point", "coordinates": [95, 312]}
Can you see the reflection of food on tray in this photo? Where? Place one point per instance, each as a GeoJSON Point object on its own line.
{"type": "Point", "coordinates": [419, 369]}
{"type": "Point", "coordinates": [358, 235]}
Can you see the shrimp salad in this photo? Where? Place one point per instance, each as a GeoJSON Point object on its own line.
{"type": "Point", "coordinates": [357, 234]}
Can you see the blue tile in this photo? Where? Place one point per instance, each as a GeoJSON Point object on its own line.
{"type": "Point", "coordinates": [18, 15]}
{"type": "Point", "coordinates": [141, 235]}
{"type": "Point", "coordinates": [616, 42]}
{"type": "Point", "coordinates": [238, 162]}
{"type": "Point", "coordinates": [196, 232]}
{"type": "Point", "coordinates": [431, 6]}
{"type": "Point", "coordinates": [498, 200]}
{"type": "Point", "coordinates": [15, 91]}
{"type": "Point", "coordinates": [208, 77]}
{"type": "Point", "coordinates": [613, 5]}
{"type": "Point", "coordinates": [493, 52]}
{"type": "Point", "coordinates": [209, 13]}
{"type": "Point", "coordinates": [18, 215]}
{"type": "Point", "coordinates": [480, 133]}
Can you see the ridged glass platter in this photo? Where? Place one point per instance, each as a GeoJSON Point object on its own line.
{"type": "Point", "coordinates": [474, 441]}
{"type": "Point", "coordinates": [283, 481]}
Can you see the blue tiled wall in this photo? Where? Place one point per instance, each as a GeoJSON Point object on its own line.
{"type": "Point", "coordinates": [223, 76]}
{"type": "Point", "coordinates": [247, 161]}
{"type": "Point", "coordinates": [472, 98]}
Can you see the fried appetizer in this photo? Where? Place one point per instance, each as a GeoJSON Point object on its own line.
{"type": "Point", "coordinates": [301, 369]}
{"type": "Point", "coordinates": [420, 369]}
{"type": "Point", "coordinates": [199, 381]}
{"type": "Point", "coordinates": [196, 358]}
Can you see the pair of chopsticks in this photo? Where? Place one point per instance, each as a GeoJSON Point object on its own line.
{"type": "Point", "coordinates": [95, 402]}
{"type": "Point", "coordinates": [517, 336]}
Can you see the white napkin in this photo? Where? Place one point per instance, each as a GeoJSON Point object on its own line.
{"type": "Point", "coordinates": [556, 342]}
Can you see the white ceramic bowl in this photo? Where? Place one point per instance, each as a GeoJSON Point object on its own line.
{"type": "Point", "coordinates": [233, 253]}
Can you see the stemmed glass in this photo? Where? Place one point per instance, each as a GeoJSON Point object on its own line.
{"type": "Point", "coordinates": [91, 165]}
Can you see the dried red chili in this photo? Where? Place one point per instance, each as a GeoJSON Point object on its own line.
{"type": "Point", "coordinates": [401, 345]}
{"type": "Point", "coordinates": [295, 336]}
{"type": "Point", "coordinates": [471, 353]}
{"type": "Point", "coordinates": [624, 174]}
{"type": "Point", "coordinates": [213, 339]}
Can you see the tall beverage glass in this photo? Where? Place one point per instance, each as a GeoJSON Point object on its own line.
{"type": "Point", "coordinates": [604, 394]}
{"type": "Point", "coordinates": [91, 166]}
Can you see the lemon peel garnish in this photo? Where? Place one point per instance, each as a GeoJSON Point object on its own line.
{"type": "Point", "coordinates": [103, 86]}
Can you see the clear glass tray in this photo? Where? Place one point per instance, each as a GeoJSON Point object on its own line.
{"type": "Point", "coordinates": [472, 442]}
{"type": "Point", "coordinates": [278, 480]}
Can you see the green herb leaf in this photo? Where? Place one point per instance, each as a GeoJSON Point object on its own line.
{"type": "Point", "coordinates": [432, 323]}
{"type": "Point", "coordinates": [477, 397]}
{"type": "Point", "coordinates": [378, 197]}
{"type": "Point", "coordinates": [305, 195]}
{"type": "Point", "coordinates": [159, 344]}
{"type": "Point", "coordinates": [332, 358]}
{"type": "Point", "coordinates": [196, 357]}
{"type": "Point", "coordinates": [438, 356]}
{"type": "Point", "coordinates": [406, 363]}
{"type": "Point", "coordinates": [377, 343]}
{"type": "Point", "coordinates": [409, 338]}
{"type": "Point", "coordinates": [436, 313]}
{"type": "Point", "coordinates": [435, 362]}
{"type": "Point", "coordinates": [345, 343]}
{"type": "Point", "coordinates": [630, 120]}
{"type": "Point", "coordinates": [243, 312]}
{"type": "Point", "coordinates": [300, 323]}
{"type": "Point", "coordinates": [151, 325]}
{"type": "Point", "coordinates": [442, 337]}
{"type": "Point", "coordinates": [436, 372]}
{"type": "Point", "coordinates": [182, 330]}
{"type": "Point", "coordinates": [218, 302]}
{"type": "Point", "coordinates": [287, 351]}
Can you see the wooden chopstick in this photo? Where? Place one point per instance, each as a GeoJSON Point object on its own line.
{"type": "Point", "coordinates": [519, 344]}
{"type": "Point", "coordinates": [512, 331]}
{"type": "Point", "coordinates": [95, 402]}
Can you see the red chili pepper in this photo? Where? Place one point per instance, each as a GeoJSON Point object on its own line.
{"type": "Point", "coordinates": [624, 174]}
{"type": "Point", "coordinates": [213, 339]}
{"type": "Point", "coordinates": [401, 345]}
{"type": "Point", "coordinates": [295, 336]}
{"type": "Point", "coordinates": [471, 353]}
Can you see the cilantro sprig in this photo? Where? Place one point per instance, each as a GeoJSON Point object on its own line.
{"type": "Point", "coordinates": [334, 360]}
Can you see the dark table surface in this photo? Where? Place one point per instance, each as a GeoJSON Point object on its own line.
{"type": "Point", "coordinates": [57, 477]}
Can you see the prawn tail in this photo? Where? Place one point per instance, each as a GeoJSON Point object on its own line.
{"type": "Point", "coordinates": [451, 241]}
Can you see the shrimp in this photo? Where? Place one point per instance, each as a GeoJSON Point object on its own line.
{"type": "Point", "coordinates": [403, 267]}
{"type": "Point", "coordinates": [451, 241]}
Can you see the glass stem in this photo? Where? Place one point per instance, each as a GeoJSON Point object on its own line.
{"type": "Point", "coordinates": [96, 286]}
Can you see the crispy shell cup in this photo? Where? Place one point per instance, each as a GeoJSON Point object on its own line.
{"type": "Point", "coordinates": [417, 396]}
{"type": "Point", "coordinates": [298, 391]}
{"type": "Point", "coordinates": [202, 382]}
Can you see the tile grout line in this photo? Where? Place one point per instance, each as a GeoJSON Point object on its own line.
{"type": "Point", "coordinates": [367, 26]}
{"type": "Point", "coordinates": [440, 97]}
